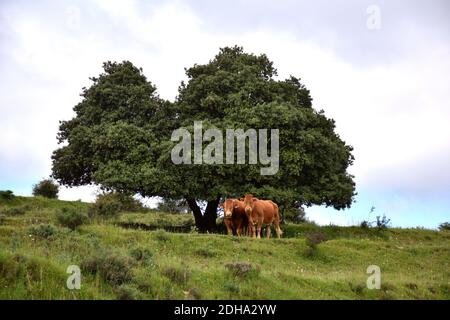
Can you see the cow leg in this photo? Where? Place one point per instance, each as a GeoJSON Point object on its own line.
{"type": "Point", "coordinates": [239, 228]}
{"type": "Point", "coordinates": [251, 228]}
{"type": "Point", "coordinates": [259, 227]}
{"type": "Point", "coordinates": [268, 231]}
{"type": "Point", "coordinates": [278, 229]}
{"type": "Point", "coordinates": [229, 229]}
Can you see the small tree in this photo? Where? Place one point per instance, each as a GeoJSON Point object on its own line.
{"type": "Point", "coordinates": [70, 218]}
{"type": "Point", "coordinates": [444, 226]}
{"type": "Point", "coordinates": [46, 188]}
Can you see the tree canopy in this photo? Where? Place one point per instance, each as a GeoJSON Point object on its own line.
{"type": "Point", "coordinates": [120, 137]}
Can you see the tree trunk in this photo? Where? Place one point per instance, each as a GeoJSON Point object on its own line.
{"type": "Point", "coordinates": [204, 222]}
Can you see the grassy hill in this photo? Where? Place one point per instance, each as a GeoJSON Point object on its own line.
{"type": "Point", "coordinates": [133, 257]}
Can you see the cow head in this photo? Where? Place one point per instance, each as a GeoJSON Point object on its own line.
{"type": "Point", "coordinates": [228, 207]}
{"type": "Point", "coordinates": [248, 203]}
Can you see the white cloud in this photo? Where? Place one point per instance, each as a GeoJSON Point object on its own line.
{"type": "Point", "coordinates": [391, 113]}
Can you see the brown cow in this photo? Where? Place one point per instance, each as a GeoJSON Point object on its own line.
{"type": "Point", "coordinates": [234, 216]}
{"type": "Point", "coordinates": [261, 212]}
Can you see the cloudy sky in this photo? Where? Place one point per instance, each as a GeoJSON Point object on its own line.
{"type": "Point", "coordinates": [381, 69]}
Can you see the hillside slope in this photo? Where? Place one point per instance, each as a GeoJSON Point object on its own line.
{"type": "Point", "coordinates": [125, 258]}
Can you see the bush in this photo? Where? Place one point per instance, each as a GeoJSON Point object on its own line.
{"type": "Point", "coordinates": [6, 195]}
{"type": "Point", "coordinates": [110, 204]}
{"type": "Point", "coordinates": [444, 226]}
{"type": "Point", "coordinates": [242, 269]}
{"type": "Point", "coordinates": [365, 224]}
{"type": "Point", "coordinates": [382, 222]}
{"type": "Point", "coordinates": [44, 231]}
{"type": "Point", "coordinates": [178, 275]}
{"type": "Point", "coordinates": [194, 294]}
{"type": "Point", "coordinates": [142, 255]}
{"type": "Point", "coordinates": [46, 188]}
{"type": "Point", "coordinates": [231, 287]}
{"type": "Point", "coordinates": [113, 268]}
{"type": "Point", "coordinates": [315, 238]}
{"type": "Point", "coordinates": [2, 218]}
{"type": "Point", "coordinates": [312, 240]}
{"type": "Point", "coordinates": [161, 235]}
{"type": "Point", "coordinates": [128, 292]}
{"type": "Point", "coordinates": [70, 218]}
{"type": "Point", "coordinates": [15, 211]}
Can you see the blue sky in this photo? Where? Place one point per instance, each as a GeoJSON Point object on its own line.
{"type": "Point", "coordinates": [386, 87]}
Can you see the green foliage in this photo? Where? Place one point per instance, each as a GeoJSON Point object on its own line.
{"type": "Point", "coordinates": [194, 294]}
{"type": "Point", "coordinates": [312, 240]}
{"type": "Point", "coordinates": [315, 238]}
{"type": "Point", "coordinates": [15, 211]}
{"type": "Point", "coordinates": [71, 218]}
{"type": "Point", "coordinates": [161, 235]}
{"type": "Point", "coordinates": [173, 205]}
{"type": "Point", "coordinates": [120, 136]}
{"type": "Point", "coordinates": [444, 226]}
{"type": "Point", "coordinates": [293, 214]}
{"type": "Point", "coordinates": [177, 274]}
{"type": "Point", "coordinates": [46, 188]}
{"type": "Point", "coordinates": [110, 204]}
{"type": "Point", "coordinates": [128, 292]}
{"type": "Point", "coordinates": [365, 224]}
{"type": "Point", "coordinates": [6, 195]}
{"type": "Point", "coordinates": [34, 269]}
{"type": "Point", "coordinates": [112, 267]}
{"type": "Point", "coordinates": [142, 255]}
{"type": "Point", "coordinates": [44, 231]}
{"type": "Point", "coordinates": [382, 222]}
{"type": "Point", "coordinates": [243, 269]}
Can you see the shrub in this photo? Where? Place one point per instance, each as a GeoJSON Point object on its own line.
{"type": "Point", "coordinates": [142, 255]}
{"type": "Point", "coordinates": [2, 218]}
{"type": "Point", "coordinates": [194, 294]}
{"type": "Point", "coordinates": [15, 211]}
{"type": "Point", "coordinates": [44, 231]}
{"type": "Point", "coordinates": [444, 226]}
{"type": "Point", "coordinates": [46, 188]}
{"type": "Point", "coordinates": [113, 268]}
{"type": "Point", "coordinates": [161, 235]}
{"type": "Point", "coordinates": [70, 218]}
{"type": "Point", "coordinates": [110, 204]}
{"type": "Point", "coordinates": [178, 275]}
{"type": "Point", "coordinates": [6, 195]}
{"type": "Point", "coordinates": [205, 252]}
{"type": "Point", "coordinates": [315, 238]}
{"type": "Point", "coordinates": [365, 224]}
{"type": "Point", "coordinates": [128, 292]}
{"type": "Point", "coordinates": [242, 269]}
{"type": "Point", "coordinates": [231, 287]}
{"type": "Point", "coordinates": [312, 240]}
{"type": "Point", "coordinates": [382, 222]}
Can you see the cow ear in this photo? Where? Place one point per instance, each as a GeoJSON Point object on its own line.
{"type": "Point", "coordinates": [221, 205]}
{"type": "Point", "coordinates": [255, 199]}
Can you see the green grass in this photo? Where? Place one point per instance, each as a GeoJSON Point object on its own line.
{"type": "Point", "coordinates": [415, 263]}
